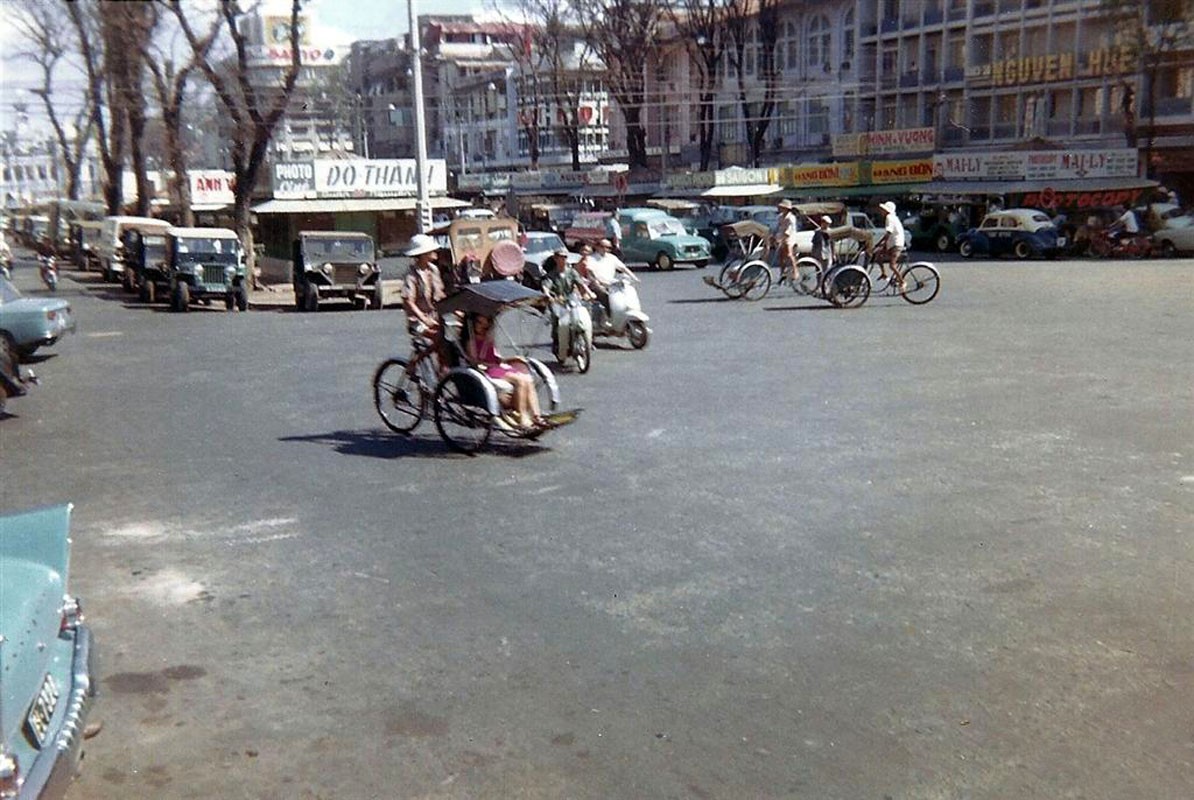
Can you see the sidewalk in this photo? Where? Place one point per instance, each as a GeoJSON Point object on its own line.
{"type": "Point", "coordinates": [281, 295]}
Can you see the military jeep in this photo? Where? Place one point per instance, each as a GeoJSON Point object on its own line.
{"type": "Point", "coordinates": [336, 264]}
{"type": "Point", "coordinates": [203, 264]}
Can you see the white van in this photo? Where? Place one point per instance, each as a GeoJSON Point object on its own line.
{"type": "Point", "coordinates": [108, 248]}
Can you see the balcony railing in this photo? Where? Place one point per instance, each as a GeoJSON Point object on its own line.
{"type": "Point", "coordinates": [954, 74]}
{"type": "Point", "coordinates": [955, 14]}
{"type": "Point", "coordinates": [955, 136]}
{"type": "Point", "coordinates": [928, 76]}
{"type": "Point", "coordinates": [1173, 106]}
{"type": "Point", "coordinates": [1003, 130]}
{"type": "Point", "coordinates": [909, 79]}
{"type": "Point", "coordinates": [1058, 127]}
{"type": "Point", "coordinates": [1086, 127]}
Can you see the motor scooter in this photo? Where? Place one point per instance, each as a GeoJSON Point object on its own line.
{"type": "Point", "coordinates": [573, 337]}
{"type": "Point", "coordinates": [625, 316]}
{"type": "Point", "coordinates": [48, 268]}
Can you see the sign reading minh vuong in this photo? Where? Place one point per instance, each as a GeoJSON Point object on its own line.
{"type": "Point", "coordinates": [335, 177]}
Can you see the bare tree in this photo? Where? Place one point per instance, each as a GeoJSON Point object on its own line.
{"type": "Point", "coordinates": [1153, 33]}
{"type": "Point", "coordinates": [43, 28]}
{"type": "Point", "coordinates": [253, 111]}
{"type": "Point", "coordinates": [170, 88]}
{"type": "Point", "coordinates": [753, 29]}
{"type": "Point", "coordinates": [109, 139]}
{"type": "Point", "coordinates": [127, 29]}
{"type": "Point", "coordinates": [699, 25]}
{"type": "Point", "coordinates": [623, 33]}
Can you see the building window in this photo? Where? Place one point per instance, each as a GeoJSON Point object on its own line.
{"type": "Point", "coordinates": [819, 41]}
{"type": "Point", "coordinates": [791, 46]}
{"type": "Point", "coordinates": [788, 121]}
{"type": "Point", "coordinates": [818, 116]}
{"type": "Point", "coordinates": [848, 38]}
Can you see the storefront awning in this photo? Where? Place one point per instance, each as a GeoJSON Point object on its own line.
{"type": "Point", "coordinates": [348, 205]}
{"type": "Point", "coordinates": [1020, 187]}
{"type": "Point", "coordinates": [744, 190]}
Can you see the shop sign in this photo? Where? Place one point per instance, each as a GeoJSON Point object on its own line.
{"type": "Point", "coordinates": [1105, 62]}
{"type": "Point", "coordinates": [1042, 165]}
{"type": "Point", "coordinates": [691, 180]}
{"type": "Point", "coordinates": [878, 143]}
{"type": "Point", "coordinates": [377, 177]}
{"type": "Point", "coordinates": [910, 171]}
{"type": "Point", "coordinates": [1069, 165]}
{"type": "Point", "coordinates": [294, 180]}
{"type": "Point", "coordinates": [526, 180]}
{"type": "Point", "coordinates": [1058, 198]}
{"type": "Point", "coordinates": [741, 176]}
{"type": "Point", "coordinates": [799, 176]}
{"type": "Point", "coordinates": [211, 186]}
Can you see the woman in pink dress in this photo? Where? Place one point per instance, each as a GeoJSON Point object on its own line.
{"type": "Point", "coordinates": [521, 399]}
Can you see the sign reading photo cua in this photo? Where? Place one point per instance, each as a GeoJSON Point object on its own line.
{"type": "Point", "coordinates": [332, 177]}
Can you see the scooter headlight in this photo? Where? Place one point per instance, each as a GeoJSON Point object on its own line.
{"type": "Point", "coordinates": [364, 270]}
{"type": "Point", "coordinates": [327, 269]}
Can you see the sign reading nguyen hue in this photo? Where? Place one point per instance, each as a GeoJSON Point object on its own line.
{"type": "Point", "coordinates": [879, 143]}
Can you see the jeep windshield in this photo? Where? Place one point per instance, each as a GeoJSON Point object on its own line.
{"type": "Point", "coordinates": [193, 249]}
{"type": "Point", "coordinates": [155, 248]}
{"type": "Point", "coordinates": [665, 227]}
{"type": "Point", "coordinates": [338, 251]}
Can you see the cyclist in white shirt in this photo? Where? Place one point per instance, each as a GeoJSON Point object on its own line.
{"type": "Point", "coordinates": [893, 240]}
{"type": "Point", "coordinates": [1125, 227]}
{"type": "Point", "coordinates": [602, 268]}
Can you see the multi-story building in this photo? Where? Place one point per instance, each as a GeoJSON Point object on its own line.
{"type": "Point", "coordinates": [379, 78]}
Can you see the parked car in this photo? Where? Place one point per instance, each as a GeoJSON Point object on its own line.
{"type": "Point", "coordinates": [336, 264]}
{"type": "Point", "coordinates": [49, 676]}
{"type": "Point", "coordinates": [551, 217]}
{"type": "Point", "coordinates": [929, 231]}
{"type": "Point", "coordinates": [1022, 232]}
{"type": "Point", "coordinates": [85, 236]}
{"type": "Point", "coordinates": [203, 264]}
{"type": "Point", "coordinates": [590, 227]}
{"type": "Point", "coordinates": [537, 247]}
{"type": "Point", "coordinates": [32, 322]}
{"type": "Point", "coordinates": [1170, 242]}
{"type": "Point", "coordinates": [144, 258]}
{"type": "Point", "coordinates": [108, 248]}
{"type": "Point", "coordinates": [654, 237]}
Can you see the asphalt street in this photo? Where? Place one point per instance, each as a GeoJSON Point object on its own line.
{"type": "Point", "coordinates": [786, 551]}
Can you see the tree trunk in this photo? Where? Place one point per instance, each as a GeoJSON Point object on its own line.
{"type": "Point", "coordinates": [636, 136]}
{"type": "Point", "coordinates": [705, 129]}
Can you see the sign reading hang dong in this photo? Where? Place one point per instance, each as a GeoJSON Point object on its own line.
{"type": "Point", "coordinates": [327, 177]}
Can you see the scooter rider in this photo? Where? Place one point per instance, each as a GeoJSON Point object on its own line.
{"type": "Point", "coordinates": [603, 268]}
{"type": "Point", "coordinates": [561, 281]}
{"type": "Point", "coordinates": [1126, 227]}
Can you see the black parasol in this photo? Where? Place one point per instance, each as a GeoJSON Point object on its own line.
{"type": "Point", "coordinates": [488, 298]}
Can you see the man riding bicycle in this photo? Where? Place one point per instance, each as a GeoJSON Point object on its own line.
{"type": "Point", "coordinates": [892, 242]}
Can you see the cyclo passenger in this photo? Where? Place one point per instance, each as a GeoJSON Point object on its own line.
{"type": "Point", "coordinates": [511, 378]}
{"type": "Point", "coordinates": [421, 290]}
{"type": "Point", "coordinates": [602, 268]}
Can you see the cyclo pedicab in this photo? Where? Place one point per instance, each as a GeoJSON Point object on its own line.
{"type": "Point", "coordinates": [464, 401]}
{"type": "Point", "coordinates": [752, 267]}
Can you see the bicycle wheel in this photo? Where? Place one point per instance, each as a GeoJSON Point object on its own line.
{"type": "Point", "coordinates": [727, 280]}
{"type": "Point", "coordinates": [462, 421]}
{"type": "Point", "coordinates": [848, 287]}
{"type": "Point", "coordinates": [755, 281]}
{"type": "Point", "coordinates": [921, 283]}
{"type": "Point", "coordinates": [399, 397]}
{"type": "Point", "coordinates": [808, 277]}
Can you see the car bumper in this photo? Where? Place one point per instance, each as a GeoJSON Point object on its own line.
{"type": "Point", "coordinates": [58, 763]}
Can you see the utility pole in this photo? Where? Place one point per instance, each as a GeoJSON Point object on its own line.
{"type": "Point", "coordinates": [423, 201]}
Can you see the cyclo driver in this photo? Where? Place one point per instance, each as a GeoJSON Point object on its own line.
{"type": "Point", "coordinates": [421, 290]}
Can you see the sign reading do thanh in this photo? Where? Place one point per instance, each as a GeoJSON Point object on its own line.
{"type": "Point", "coordinates": [332, 177]}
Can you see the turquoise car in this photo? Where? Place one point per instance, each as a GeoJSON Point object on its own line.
{"type": "Point", "coordinates": [47, 669]}
{"type": "Point", "coordinates": [32, 322]}
{"type": "Point", "coordinates": [652, 236]}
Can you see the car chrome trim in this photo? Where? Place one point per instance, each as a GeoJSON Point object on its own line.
{"type": "Point", "coordinates": [51, 774]}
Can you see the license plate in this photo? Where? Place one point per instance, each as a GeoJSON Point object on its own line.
{"type": "Point", "coordinates": [43, 710]}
